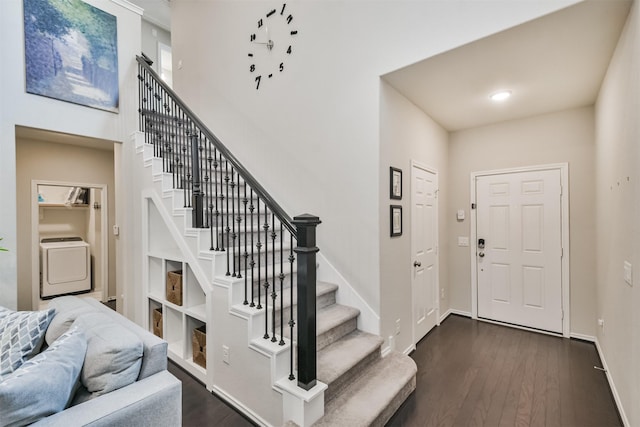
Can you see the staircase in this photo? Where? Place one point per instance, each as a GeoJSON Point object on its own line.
{"type": "Point", "coordinates": [362, 387]}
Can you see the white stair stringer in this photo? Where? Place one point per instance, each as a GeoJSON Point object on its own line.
{"type": "Point", "coordinates": [259, 365]}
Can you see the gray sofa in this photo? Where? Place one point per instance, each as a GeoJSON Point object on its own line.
{"type": "Point", "coordinates": [154, 399]}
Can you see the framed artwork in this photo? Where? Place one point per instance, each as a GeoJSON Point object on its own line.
{"type": "Point", "coordinates": [396, 220]}
{"type": "Point", "coordinates": [395, 183]}
{"type": "Point", "coordinates": [71, 53]}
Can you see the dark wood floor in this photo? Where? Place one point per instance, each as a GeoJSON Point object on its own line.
{"type": "Point", "coordinates": [472, 373]}
{"type": "Point", "coordinates": [201, 408]}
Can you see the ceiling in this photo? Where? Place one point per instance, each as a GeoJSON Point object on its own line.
{"type": "Point", "coordinates": [549, 64]}
{"type": "Point", "coordinates": [63, 138]}
{"type": "Point", "coordinates": [157, 12]}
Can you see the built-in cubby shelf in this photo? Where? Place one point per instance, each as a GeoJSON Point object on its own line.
{"type": "Point", "coordinates": [178, 321]}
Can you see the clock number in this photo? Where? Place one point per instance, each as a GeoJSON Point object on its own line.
{"type": "Point", "coordinates": [260, 23]}
{"type": "Point", "coordinates": [283, 6]}
{"type": "Point", "coordinates": [258, 82]}
{"type": "Point", "coordinates": [271, 13]}
{"type": "Point", "coordinates": [293, 33]}
{"type": "Point", "coordinates": [289, 50]}
{"type": "Point", "coordinates": [252, 37]}
{"type": "Point", "coordinates": [251, 55]}
{"type": "Point", "coordinates": [281, 66]}
{"type": "Point", "coordinates": [252, 68]}
{"type": "Point", "coordinates": [289, 19]}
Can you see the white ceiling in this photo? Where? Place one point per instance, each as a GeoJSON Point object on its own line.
{"type": "Point", "coordinates": [157, 12]}
{"type": "Point", "coordinates": [552, 63]}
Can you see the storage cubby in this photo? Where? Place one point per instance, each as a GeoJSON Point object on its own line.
{"type": "Point", "coordinates": [192, 324]}
{"type": "Point", "coordinates": [172, 287]}
{"type": "Point", "coordinates": [174, 331]}
{"type": "Point", "coordinates": [195, 301]}
{"type": "Point", "coordinates": [156, 280]}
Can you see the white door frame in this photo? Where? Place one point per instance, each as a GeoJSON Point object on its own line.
{"type": "Point", "coordinates": [564, 205]}
{"type": "Point", "coordinates": [35, 244]}
{"type": "Point", "coordinates": [416, 164]}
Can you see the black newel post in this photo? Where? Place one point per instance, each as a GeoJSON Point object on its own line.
{"type": "Point", "coordinates": [306, 234]}
{"type": "Point", "coordinates": [197, 196]}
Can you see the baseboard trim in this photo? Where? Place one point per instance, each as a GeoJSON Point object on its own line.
{"type": "Point", "coordinates": [612, 385]}
{"type": "Point", "coordinates": [242, 409]}
{"type": "Point", "coordinates": [453, 311]}
{"type": "Point", "coordinates": [582, 337]}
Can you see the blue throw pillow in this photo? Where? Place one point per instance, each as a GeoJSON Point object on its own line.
{"type": "Point", "coordinates": [21, 336]}
{"type": "Point", "coordinates": [45, 384]}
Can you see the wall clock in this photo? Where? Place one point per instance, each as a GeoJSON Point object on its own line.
{"type": "Point", "coordinates": [271, 44]}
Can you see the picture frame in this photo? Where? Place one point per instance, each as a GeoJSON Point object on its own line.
{"type": "Point", "coordinates": [71, 53]}
{"type": "Point", "coordinates": [395, 214]}
{"type": "Point", "coordinates": [395, 183]}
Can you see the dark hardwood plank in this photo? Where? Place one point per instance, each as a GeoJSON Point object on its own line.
{"type": "Point", "coordinates": [202, 408]}
{"type": "Point", "coordinates": [473, 373]}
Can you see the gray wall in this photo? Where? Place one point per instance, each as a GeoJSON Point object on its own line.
{"type": "Point", "coordinates": [566, 136]}
{"type": "Point", "coordinates": [151, 35]}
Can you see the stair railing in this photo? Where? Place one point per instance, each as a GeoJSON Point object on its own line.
{"type": "Point", "coordinates": [244, 221]}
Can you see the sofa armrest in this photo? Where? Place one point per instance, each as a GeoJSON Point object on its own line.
{"type": "Point", "coordinates": [153, 401]}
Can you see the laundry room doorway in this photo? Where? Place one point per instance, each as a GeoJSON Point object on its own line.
{"type": "Point", "coordinates": [69, 235]}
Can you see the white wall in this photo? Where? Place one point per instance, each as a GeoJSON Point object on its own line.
{"type": "Point", "coordinates": [311, 134]}
{"type": "Point", "coordinates": [565, 136]}
{"type": "Point", "coordinates": [151, 35]}
{"type": "Point", "coordinates": [46, 161]}
{"type": "Point", "coordinates": [407, 134]}
{"type": "Point", "coordinates": [19, 108]}
{"type": "Point", "coordinates": [618, 216]}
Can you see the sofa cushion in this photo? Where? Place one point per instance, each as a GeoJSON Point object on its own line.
{"type": "Point", "coordinates": [114, 354]}
{"type": "Point", "coordinates": [21, 336]}
{"type": "Point", "coordinates": [68, 308]}
{"type": "Point", "coordinates": [45, 384]}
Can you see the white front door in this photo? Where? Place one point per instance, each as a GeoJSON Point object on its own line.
{"type": "Point", "coordinates": [424, 244]}
{"type": "Point", "coordinates": [519, 248]}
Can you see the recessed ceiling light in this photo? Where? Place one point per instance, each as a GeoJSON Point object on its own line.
{"type": "Point", "coordinates": [500, 96]}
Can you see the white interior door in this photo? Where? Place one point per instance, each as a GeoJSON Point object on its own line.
{"type": "Point", "coordinates": [424, 244]}
{"type": "Point", "coordinates": [519, 269]}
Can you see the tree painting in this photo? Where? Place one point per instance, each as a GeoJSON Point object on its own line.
{"type": "Point", "coordinates": [71, 52]}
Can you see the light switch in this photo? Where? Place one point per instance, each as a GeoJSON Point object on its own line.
{"type": "Point", "coordinates": [628, 273]}
{"type": "Point", "coordinates": [463, 241]}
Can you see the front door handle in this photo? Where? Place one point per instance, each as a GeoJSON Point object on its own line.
{"type": "Point", "coordinates": [481, 254]}
{"type": "Point", "coordinates": [417, 264]}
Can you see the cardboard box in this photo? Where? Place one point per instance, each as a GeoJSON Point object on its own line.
{"type": "Point", "coordinates": [157, 322]}
{"type": "Point", "coordinates": [199, 342]}
{"type": "Point", "coordinates": [174, 287]}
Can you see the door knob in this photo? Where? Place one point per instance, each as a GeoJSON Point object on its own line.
{"type": "Point", "coordinates": [481, 254]}
{"type": "Point", "coordinates": [417, 264]}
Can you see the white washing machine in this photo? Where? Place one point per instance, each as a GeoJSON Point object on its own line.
{"type": "Point", "coordinates": [65, 266]}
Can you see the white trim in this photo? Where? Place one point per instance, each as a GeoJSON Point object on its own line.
{"type": "Point", "coordinates": [130, 6]}
{"type": "Point", "coordinates": [564, 202]}
{"type": "Point", "coordinates": [454, 311]}
{"type": "Point", "coordinates": [368, 320]}
{"type": "Point", "coordinates": [582, 337]}
{"type": "Point", "coordinates": [434, 171]}
{"type": "Point", "coordinates": [245, 410]}
{"type": "Point", "coordinates": [612, 385]}
{"type": "Point", "coordinates": [35, 244]}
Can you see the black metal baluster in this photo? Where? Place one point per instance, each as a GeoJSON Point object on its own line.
{"type": "Point", "coordinates": [233, 224]}
{"type": "Point", "coordinates": [196, 195]}
{"type": "Point", "coordinates": [265, 226]}
{"type": "Point", "coordinates": [208, 189]}
{"type": "Point", "coordinates": [292, 322]}
{"type": "Point", "coordinates": [226, 212]}
{"type": "Point", "coordinates": [258, 246]}
{"type": "Point", "coordinates": [252, 262]}
{"type": "Point", "coordinates": [217, 208]}
{"type": "Point", "coordinates": [282, 285]}
{"type": "Point", "coordinates": [239, 221]}
{"type": "Point", "coordinates": [274, 295]}
{"type": "Point", "coordinates": [246, 253]}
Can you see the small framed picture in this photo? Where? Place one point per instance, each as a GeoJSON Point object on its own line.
{"type": "Point", "coordinates": [396, 220]}
{"type": "Point", "coordinates": [395, 184]}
